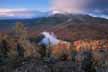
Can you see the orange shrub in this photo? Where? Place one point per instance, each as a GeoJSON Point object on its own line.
{"type": "Point", "coordinates": [63, 48]}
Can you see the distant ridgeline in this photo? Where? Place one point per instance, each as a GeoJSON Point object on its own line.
{"type": "Point", "coordinates": [38, 23]}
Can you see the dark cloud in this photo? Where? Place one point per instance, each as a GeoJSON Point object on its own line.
{"type": "Point", "coordinates": [100, 4]}
{"type": "Point", "coordinates": [91, 6]}
{"type": "Point", "coordinates": [98, 8]}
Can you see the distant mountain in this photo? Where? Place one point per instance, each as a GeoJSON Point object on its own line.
{"type": "Point", "coordinates": [40, 18]}
{"type": "Point", "coordinates": [29, 14]}
{"type": "Point", "coordinates": [66, 26]}
{"type": "Point", "coordinates": [77, 26]}
{"type": "Point", "coordinates": [56, 19]}
{"type": "Point", "coordinates": [53, 19]}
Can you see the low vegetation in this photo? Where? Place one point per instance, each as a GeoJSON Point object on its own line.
{"type": "Point", "coordinates": [20, 53]}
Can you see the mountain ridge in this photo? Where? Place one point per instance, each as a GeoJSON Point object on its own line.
{"type": "Point", "coordinates": [53, 20]}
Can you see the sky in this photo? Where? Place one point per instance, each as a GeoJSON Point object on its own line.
{"type": "Point", "coordinates": [41, 5]}
{"type": "Point", "coordinates": [93, 7]}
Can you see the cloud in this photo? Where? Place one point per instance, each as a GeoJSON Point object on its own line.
{"type": "Point", "coordinates": [97, 12]}
{"type": "Point", "coordinates": [70, 6]}
{"type": "Point", "coordinates": [10, 10]}
{"type": "Point", "coordinates": [14, 12]}
{"type": "Point", "coordinates": [97, 8]}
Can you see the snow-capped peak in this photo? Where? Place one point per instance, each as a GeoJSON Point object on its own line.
{"type": "Point", "coordinates": [58, 12]}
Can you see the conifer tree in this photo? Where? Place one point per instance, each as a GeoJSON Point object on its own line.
{"type": "Point", "coordinates": [22, 34]}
